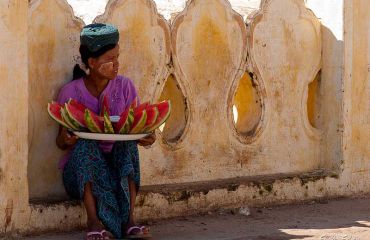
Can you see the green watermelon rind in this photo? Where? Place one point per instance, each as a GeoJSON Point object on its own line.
{"type": "Point", "coordinates": [149, 125]}
{"type": "Point", "coordinates": [90, 124]}
{"type": "Point", "coordinates": [124, 127]}
{"type": "Point", "coordinates": [163, 120]}
{"type": "Point", "coordinates": [70, 118]}
{"type": "Point", "coordinates": [67, 120]}
{"type": "Point", "coordinates": [108, 127]}
{"type": "Point", "coordinates": [140, 125]}
{"type": "Point", "coordinates": [130, 120]}
{"type": "Point", "coordinates": [73, 118]}
{"type": "Point", "coordinates": [60, 121]}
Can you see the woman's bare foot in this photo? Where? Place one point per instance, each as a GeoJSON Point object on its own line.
{"type": "Point", "coordinates": [133, 229]}
{"type": "Point", "coordinates": [96, 231]}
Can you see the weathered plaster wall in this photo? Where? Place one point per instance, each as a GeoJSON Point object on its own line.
{"type": "Point", "coordinates": [53, 52]}
{"type": "Point", "coordinates": [144, 44]}
{"type": "Point", "coordinates": [356, 82]}
{"type": "Point", "coordinates": [13, 116]}
{"type": "Point", "coordinates": [286, 56]}
{"type": "Point", "coordinates": [204, 55]}
{"type": "Point", "coordinates": [330, 94]}
{"type": "Point", "coordinates": [209, 49]}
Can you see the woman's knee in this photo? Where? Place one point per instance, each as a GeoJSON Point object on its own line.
{"type": "Point", "coordinates": [125, 145]}
{"type": "Point", "coordinates": [86, 143]}
{"type": "Point", "coordinates": [86, 148]}
{"type": "Point", "coordinates": [88, 159]}
{"type": "Point", "coordinates": [126, 152]}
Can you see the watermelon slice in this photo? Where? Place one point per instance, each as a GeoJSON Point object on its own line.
{"type": "Point", "coordinates": [76, 115]}
{"type": "Point", "coordinates": [164, 109]}
{"type": "Point", "coordinates": [76, 104]}
{"type": "Point", "coordinates": [142, 106]}
{"type": "Point", "coordinates": [93, 122]}
{"type": "Point", "coordinates": [139, 121]}
{"type": "Point", "coordinates": [67, 120]}
{"type": "Point", "coordinates": [104, 107]}
{"type": "Point", "coordinates": [108, 128]}
{"type": "Point", "coordinates": [134, 103]}
{"type": "Point", "coordinates": [152, 114]}
{"type": "Point", "coordinates": [54, 112]}
{"type": "Point", "coordinates": [125, 121]}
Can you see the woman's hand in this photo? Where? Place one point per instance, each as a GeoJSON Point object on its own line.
{"type": "Point", "coordinates": [147, 141]}
{"type": "Point", "coordinates": [65, 139]}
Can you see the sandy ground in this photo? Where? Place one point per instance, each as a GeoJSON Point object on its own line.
{"type": "Point", "coordinates": [343, 219]}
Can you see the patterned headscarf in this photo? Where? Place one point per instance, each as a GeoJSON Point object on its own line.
{"type": "Point", "coordinates": [97, 35]}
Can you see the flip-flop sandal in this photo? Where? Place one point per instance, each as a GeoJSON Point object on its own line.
{"type": "Point", "coordinates": [92, 233]}
{"type": "Point", "coordinates": [139, 235]}
{"type": "Point", "coordinates": [108, 235]}
{"type": "Point", "coordinates": [142, 227]}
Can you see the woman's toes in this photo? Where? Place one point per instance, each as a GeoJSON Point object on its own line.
{"type": "Point", "coordinates": [145, 230]}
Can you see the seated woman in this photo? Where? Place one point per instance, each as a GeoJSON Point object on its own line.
{"type": "Point", "coordinates": [105, 175]}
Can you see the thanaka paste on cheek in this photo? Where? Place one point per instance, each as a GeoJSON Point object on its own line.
{"type": "Point", "coordinates": [106, 69]}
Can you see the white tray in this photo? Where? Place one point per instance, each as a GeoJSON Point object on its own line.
{"type": "Point", "coordinates": [110, 137]}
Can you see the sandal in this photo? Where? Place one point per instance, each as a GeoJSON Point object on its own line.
{"type": "Point", "coordinates": [97, 234]}
{"type": "Point", "coordinates": [139, 235]}
{"type": "Point", "coordinates": [108, 235]}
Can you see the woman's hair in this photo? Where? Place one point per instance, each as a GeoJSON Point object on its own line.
{"type": "Point", "coordinates": [85, 55]}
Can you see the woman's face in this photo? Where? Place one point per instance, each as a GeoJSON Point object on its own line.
{"type": "Point", "coordinates": [107, 65]}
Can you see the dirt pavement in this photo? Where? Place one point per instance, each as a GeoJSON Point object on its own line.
{"type": "Point", "coordinates": [343, 219]}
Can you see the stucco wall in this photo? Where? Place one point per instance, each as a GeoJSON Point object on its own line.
{"type": "Point", "coordinates": [199, 61]}
{"type": "Point", "coordinates": [53, 51]}
{"type": "Point", "coordinates": [356, 140]}
{"type": "Point", "coordinates": [208, 44]}
{"type": "Point", "coordinates": [13, 117]}
{"type": "Point", "coordinates": [331, 15]}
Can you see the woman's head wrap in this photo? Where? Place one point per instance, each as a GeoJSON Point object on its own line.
{"type": "Point", "coordinates": [97, 35]}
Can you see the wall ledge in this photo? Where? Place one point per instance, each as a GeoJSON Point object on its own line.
{"type": "Point", "coordinates": [174, 200]}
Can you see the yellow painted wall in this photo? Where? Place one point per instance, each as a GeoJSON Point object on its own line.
{"type": "Point", "coordinates": [208, 44]}
{"type": "Point", "coordinates": [356, 142]}
{"type": "Point", "coordinates": [208, 49]}
{"type": "Point", "coordinates": [53, 51]}
{"type": "Point", "coordinates": [13, 115]}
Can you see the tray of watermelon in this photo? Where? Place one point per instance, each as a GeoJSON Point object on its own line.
{"type": "Point", "coordinates": [134, 123]}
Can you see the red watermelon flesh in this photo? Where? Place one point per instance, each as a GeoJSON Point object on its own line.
{"type": "Point", "coordinates": [164, 109]}
{"type": "Point", "coordinates": [105, 107]}
{"type": "Point", "coordinates": [130, 120]}
{"type": "Point", "coordinates": [139, 121]}
{"type": "Point", "coordinates": [152, 114]}
{"type": "Point", "coordinates": [76, 104]}
{"type": "Point", "coordinates": [93, 122]}
{"type": "Point", "coordinates": [133, 104]}
{"type": "Point", "coordinates": [142, 106]}
{"type": "Point", "coordinates": [76, 116]}
{"type": "Point", "coordinates": [72, 125]}
{"type": "Point", "coordinates": [54, 112]}
{"type": "Point", "coordinates": [124, 124]}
